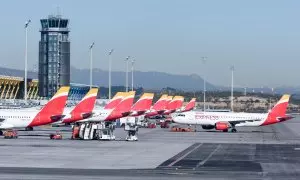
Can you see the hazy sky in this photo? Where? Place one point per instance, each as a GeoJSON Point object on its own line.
{"type": "Point", "coordinates": [261, 38]}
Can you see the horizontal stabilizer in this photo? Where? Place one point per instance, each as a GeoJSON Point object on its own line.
{"type": "Point", "coordinates": [57, 117]}
{"type": "Point", "coordinates": [284, 118]}
{"type": "Point", "coordinates": [86, 115]}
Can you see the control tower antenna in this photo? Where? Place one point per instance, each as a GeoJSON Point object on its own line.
{"type": "Point", "coordinates": [58, 11]}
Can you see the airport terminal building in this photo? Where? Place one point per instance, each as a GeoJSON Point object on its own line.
{"type": "Point", "coordinates": [12, 87]}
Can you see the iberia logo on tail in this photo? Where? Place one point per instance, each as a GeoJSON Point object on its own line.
{"type": "Point", "coordinates": [84, 108]}
{"type": "Point", "coordinates": [278, 112]}
{"type": "Point", "coordinates": [53, 110]}
{"type": "Point", "coordinates": [115, 100]}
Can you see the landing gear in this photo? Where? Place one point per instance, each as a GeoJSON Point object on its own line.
{"type": "Point", "coordinates": [233, 128]}
{"type": "Point", "coordinates": [1, 133]}
{"type": "Point", "coordinates": [225, 130]}
{"type": "Point", "coordinates": [29, 129]}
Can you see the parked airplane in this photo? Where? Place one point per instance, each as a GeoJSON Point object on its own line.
{"type": "Point", "coordinates": [83, 110]}
{"type": "Point", "coordinates": [190, 106]}
{"type": "Point", "coordinates": [51, 112]}
{"type": "Point", "coordinates": [115, 100]}
{"type": "Point", "coordinates": [174, 105]}
{"type": "Point", "coordinates": [226, 120]}
{"type": "Point", "coordinates": [121, 110]}
{"type": "Point", "coordinates": [159, 107]}
{"type": "Point", "coordinates": [142, 105]}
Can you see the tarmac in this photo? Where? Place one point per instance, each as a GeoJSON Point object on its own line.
{"type": "Point", "coordinates": [270, 152]}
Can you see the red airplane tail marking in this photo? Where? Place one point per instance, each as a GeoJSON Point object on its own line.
{"type": "Point", "coordinates": [278, 112]}
{"type": "Point", "coordinates": [161, 103]}
{"type": "Point", "coordinates": [190, 105]}
{"type": "Point", "coordinates": [84, 107]}
{"type": "Point", "coordinates": [115, 100]}
{"type": "Point", "coordinates": [144, 103]}
{"type": "Point", "coordinates": [175, 103]}
{"type": "Point", "coordinates": [123, 107]}
{"type": "Point", "coordinates": [53, 110]}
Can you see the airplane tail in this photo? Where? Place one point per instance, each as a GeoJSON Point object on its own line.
{"type": "Point", "coordinates": [169, 100]}
{"type": "Point", "coordinates": [175, 103]}
{"type": "Point", "coordinates": [190, 105]}
{"type": "Point", "coordinates": [125, 105]}
{"type": "Point", "coordinates": [115, 100]}
{"type": "Point", "coordinates": [85, 107]}
{"type": "Point", "coordinates": [278, 112]}
{"type": "Point", "coordinates": [179, 102]}
{"type": "Point", "coordinates": [53, 110]}
{"type": "Point", "coordinates": [161, 103]}
{"type": "Point", "coordinates": [281, 106]}
{"type": "Point", "coordinates": [144, 103]}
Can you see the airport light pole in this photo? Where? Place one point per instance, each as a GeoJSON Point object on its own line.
{"type": "Point", "coordinates": [109, 73]}
{"type": "Point", "coordinates": [126, 60]}
{"type": "Point", "coordinates": [204, 82]}
{"type": "Point", "coordinates": [26, 59]}
{"type": "Point", "coordinates": [132, 63]}
{"type": "Point", "coordinates": [232, 70]}
{"type": "Point", "coordinates": [91, 64]}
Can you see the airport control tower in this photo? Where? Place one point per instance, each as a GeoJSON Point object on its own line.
{"type": "Point", "coordinates": [54, 55]}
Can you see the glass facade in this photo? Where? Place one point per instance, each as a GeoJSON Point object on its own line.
{"type": "Point", "coordinates": [54, 55]}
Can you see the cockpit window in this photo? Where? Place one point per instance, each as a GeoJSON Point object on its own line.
{"type": "Point", "coordinates": [182, 115]}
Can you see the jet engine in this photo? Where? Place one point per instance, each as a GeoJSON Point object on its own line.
{"type": "Point", "coordinates": [223, 126]}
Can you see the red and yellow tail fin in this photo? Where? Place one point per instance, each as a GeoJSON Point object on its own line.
{"type": "Point", "coordinates": [281, 106]}
{"type": "Point", "coordinates": [144, 103]}
{"type": "Point", "coordinates": [176, 103]}
{"type": "Point", "coordinates": [115, 100]}
{"type": "Point", "coordinates": [190, 105]}
{"type": "Point", "coordinates": [57, 103]}
{"type": "Point", "coordinates": [87, 104]}
{"type": "Point", "coordinates": [278, 112]}
{"type": "Point", "coordinates": [161, 103]}
{"type": "Point", "coordinates": [53, 110]}
{"type": "Point", "coordinates": [126, 104]}
{"type": "Point", "coordinates": [179, 103]}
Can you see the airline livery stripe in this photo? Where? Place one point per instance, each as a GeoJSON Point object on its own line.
{"type": "Point", "coordinates": [89, 96]}
{"type": "Point", "coordinates": [59, 95]}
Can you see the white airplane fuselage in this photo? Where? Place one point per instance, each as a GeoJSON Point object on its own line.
{"type": "Point", "coordinates": [17, 118]}
{"type": "Point", "coordinates": [211, 118]}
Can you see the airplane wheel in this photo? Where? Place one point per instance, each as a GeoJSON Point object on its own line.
{"type": "Point", "coordinates": [226, 130]}
{"type": "Point", "coordinates": [233, 130]}
{"type": "Point", "coordinates": [1, 133]}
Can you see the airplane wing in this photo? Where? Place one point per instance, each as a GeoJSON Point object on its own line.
{"type": "Point", "coordinates": [239, 121]}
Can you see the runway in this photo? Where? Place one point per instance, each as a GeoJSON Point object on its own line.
{"type": "Point", "coordinates": [252, 153]}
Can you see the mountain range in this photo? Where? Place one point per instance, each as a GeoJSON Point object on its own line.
{"type": "Point", "coordinates": [149, 80]}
